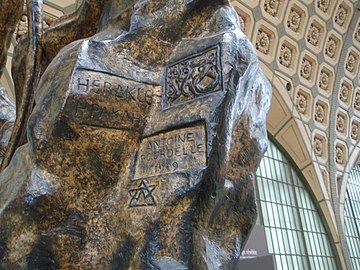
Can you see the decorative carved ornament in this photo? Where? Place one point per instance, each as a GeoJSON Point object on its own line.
{"type": "Point", "coordinates": [306, 69]}
{"type": "Point", "coordinates": [331, 47]}
{"type": "Point", "coordinates": [320, 112]}
{"type": "Point", "coordinates": [263, 40]}
{"type": "Point", "coordinates": [340, 153]}
{"type": "Point", "coordinates": [351, 62]}
{"type": "Point", "coordinates": [286, 55]}
{"type": "Point", "coordinates": [319, 143]}
{"type": "Point", "coordinates": [313, 36]}
{"type": "Point", "coordinates": [324, 80]}
{"type": "Point", "coordinates": [355, 130]}
{"type": "Point", "coordinates": [272, 7]}
{"type": "Point", "coordinates": [345, 91]}
{"type": "Point", "coordinates": [294, 20]}
{"type": "Point", "coordinates": [323, 5]}
{"type": "Point", "coordinates": [340, 16]}
{"type": "Point", "coordinates": [341, 123]}
{"type": "Point", "coordinates": [194, 77]}
{"type": "Point", "coordinates": [301, 103]}
{"type": "Point", "coordinates": [357, 101]}
{"type": "Point", "coordinates": [357, 32]}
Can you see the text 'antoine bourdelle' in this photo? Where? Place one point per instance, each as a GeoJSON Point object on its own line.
{"type": "Point", "coordinates": [174, 151]}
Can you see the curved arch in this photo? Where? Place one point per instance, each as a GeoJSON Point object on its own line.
{"type": "Point", "coordinates": [285, 126]}
{"type": "Point", "coordinates": [351, 217]}
{"type": "Point", "coordinates": [290, 216]}
{"type": "Point", "coordinates": [354, 159]}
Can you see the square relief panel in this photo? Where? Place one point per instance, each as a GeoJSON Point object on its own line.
{"type": "Point", "coordinates": [321, 113]}
{"type": "Point", "coordinates": [357, 101]}
{"type": "Point", "coordinates": [303, 102]}
{"type": "Point", "coordinates": [342, 120]}
{"type": "Point", "coordinates": [325, 8]}
{"type": "Point", "coordinates": [308, 69]}
{"type": "Point", "coordinates": [296, 18]}
{"type": "Point", "coordinates": [340, 154]}
{"type": "Point", "coordinates": [342, 16]}
{"type": "Point", "coordinates": [315, 34]}
{"type": "Point", "coordinates": [355, 130]}
{"type": "Point", "coordinates": [320, 145]}
{"type": "Point", "coordinates": [332, 48]}
{"type": "Point", "coordinates": [357, 34]}
{"type": "Point", "coordinates": [352, 62]}
{"type": "Point", "coordinates": [345, 92]}
{"type": "Point", "coordinates": [326, 79]}
{"type": "Point", "coordinates": [287, 56]}
{"type": "Point", "coordinates": [273, 10]}
{"type": "Point", "coordinates": [265, 40]}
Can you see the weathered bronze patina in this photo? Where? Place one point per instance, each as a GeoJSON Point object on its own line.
{"type": "Point", "coordinates": [36, 50]}
{"type": "Point", "coordinates": [10, 13]}
{"type": "Point", "coordinates": [142, 146]}
{"type": "Point", "coordinates": [7, 118]}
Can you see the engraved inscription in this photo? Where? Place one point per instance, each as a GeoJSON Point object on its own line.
{"type": "Point", "coordinates": [174, 151]}
{"type": "Point", "coordinates": [111, 86]}
{"type": "Point", "coordinates": [193, 77]}
{"type": "Point", "coordinates": [99, 99]}
{"type": "Point", "coordinates": [142, 195]}
{"type": "Point", "coordinates": [97, 113]}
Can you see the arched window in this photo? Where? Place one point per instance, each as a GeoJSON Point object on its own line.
{"type": "Point", "coordinates": [294, 231]}
{"type": "Point", "coordinates": [352, 216]}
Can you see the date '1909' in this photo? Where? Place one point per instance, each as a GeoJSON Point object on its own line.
{"type": "Point", "coordinates": [166, 167]}
{"type": "Point", "coordinates": [174, 151]}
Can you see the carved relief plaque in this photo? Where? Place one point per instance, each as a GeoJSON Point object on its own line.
{"type": "Point", "coordinates": [192, 77]}
{"type": "Point", "coordinates": [174, 151]}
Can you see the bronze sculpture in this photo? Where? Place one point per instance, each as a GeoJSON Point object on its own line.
{"type": "Point", "coordinates": [142, 145]}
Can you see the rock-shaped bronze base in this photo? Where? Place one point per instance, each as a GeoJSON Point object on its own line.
{"type": "Point", "coordinates": [142, 147]}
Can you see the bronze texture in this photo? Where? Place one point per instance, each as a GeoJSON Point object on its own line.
{"type": "Point", "coordinates": [10, 14]}
{"type": "Point", "coordinates": [26, 100]}
{"type": "Point", "coordinates": [142, 145]}
{"type": "Point", "coordinates": [7, 119]}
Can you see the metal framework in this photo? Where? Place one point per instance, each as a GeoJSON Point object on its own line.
{"type": "Point", "coordinates": [294, 230]}
{"type": "Point", "coordinates": [352, 217]}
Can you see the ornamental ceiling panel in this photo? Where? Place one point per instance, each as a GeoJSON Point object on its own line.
{"type": "Point", "coordinates": [316, 46]}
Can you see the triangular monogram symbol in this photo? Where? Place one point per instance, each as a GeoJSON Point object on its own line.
{"type": "Point", "coordinates": [142, 195]}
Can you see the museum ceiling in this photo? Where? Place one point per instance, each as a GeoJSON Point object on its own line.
{"type": "Point", "coordinates": [310, 52]}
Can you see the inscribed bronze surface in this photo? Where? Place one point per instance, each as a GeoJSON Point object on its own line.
{"type": "Point", "coordinates": [142, 145]}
